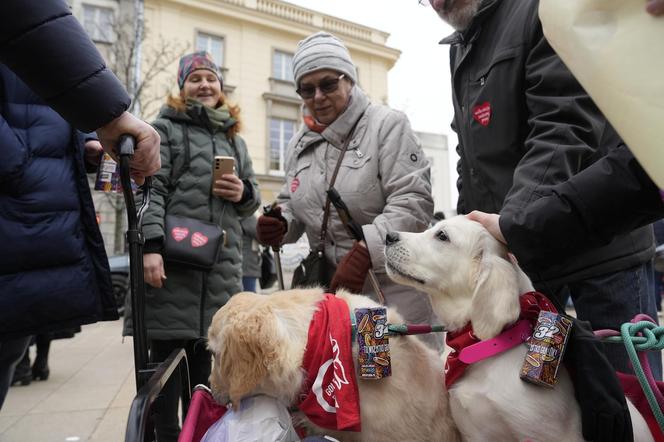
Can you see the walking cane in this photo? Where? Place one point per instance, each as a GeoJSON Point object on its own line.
{"type": "Point", "coordinates": [356, 232]}
{"type": "Point", "coordinates": [267, 210]}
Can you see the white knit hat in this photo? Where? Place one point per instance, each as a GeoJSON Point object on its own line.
{"type": "Point", "coordinates": [322, 50]}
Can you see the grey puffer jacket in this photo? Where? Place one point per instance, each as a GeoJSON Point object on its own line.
{"type": "Point", "coordinates": [184, 306]}
{"type": "Point", "coordinates": [384, 180]}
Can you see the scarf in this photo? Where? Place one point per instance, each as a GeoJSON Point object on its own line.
{"type": "Point", "coordinates": [218, 118]}
{"type": "Point", "coordinates": [330, 396]}
{"type": "Point", "coordinates": [531, 304]}
{"type": "Point", "coordinates": [311, 122]}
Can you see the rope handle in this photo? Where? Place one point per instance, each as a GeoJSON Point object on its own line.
{"type": "Point", "coordinates": [642, 334]}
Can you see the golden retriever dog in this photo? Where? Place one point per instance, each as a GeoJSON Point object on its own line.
{"type": "Point", "coordinates": [470, 278]}
{"type": "Point", "coordinates": [258, 343]}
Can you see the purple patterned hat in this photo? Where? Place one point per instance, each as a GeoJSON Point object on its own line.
{"type": "Point", "coordinates": [197, 60]}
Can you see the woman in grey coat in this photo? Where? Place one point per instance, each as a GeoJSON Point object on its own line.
{"type": "Point", "coordinates": [384, 177]}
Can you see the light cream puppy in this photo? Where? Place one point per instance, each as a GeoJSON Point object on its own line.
{"type": "Point", "coordinates": [470, 278]}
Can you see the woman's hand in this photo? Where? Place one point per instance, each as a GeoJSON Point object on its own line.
{"type": "Point", "coordinates": [153, 269]}
{"type": "Point", "coordinates": [229, 187]}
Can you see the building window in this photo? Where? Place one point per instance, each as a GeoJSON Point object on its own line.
{"type": "Point", "coordinates": [282, 66]}
{"type": "Point", "coordinates": [281, 131]}
{"type": "Point", "coordinates": [213, 45]}
{"type": "Point", "coordinates": [98, 23]}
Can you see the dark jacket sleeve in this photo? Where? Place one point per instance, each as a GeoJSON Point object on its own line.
{"type": "Point", "coordinates": [612, 196]}
{"type": "Point", "coordinates": [49, 50]}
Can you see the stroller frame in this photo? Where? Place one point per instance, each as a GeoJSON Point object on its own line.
{"type": "Point", "coordinates": [151, 378]}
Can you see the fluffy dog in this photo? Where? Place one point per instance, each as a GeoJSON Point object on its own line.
{"type": "Point", "coordinates": [470, 278]}
{"type": "Point", "coordinates": [258, 343]}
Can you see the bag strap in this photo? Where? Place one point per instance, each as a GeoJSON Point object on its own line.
{"type": "Point", "coordinates": [326, 212]}
{"type": "Point", "coordinates": [187, 154]}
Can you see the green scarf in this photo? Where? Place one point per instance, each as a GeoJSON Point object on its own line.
{"type": "Point", "coordinates": [219, 118]}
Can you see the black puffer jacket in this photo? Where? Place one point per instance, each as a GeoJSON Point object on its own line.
{"type": "Point", "coordinates": [613, 196]}
{"type": "Point", "coordinates": [49, 50]}
{"type": "Point", "coordinates": [525, 125]}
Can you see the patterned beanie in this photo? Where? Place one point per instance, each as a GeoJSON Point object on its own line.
{"type": "Point", "coordinates": [322, 51]}
{"type": "Point", "coordinates": [197, 60]}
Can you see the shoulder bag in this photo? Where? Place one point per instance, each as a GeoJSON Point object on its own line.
{"type": "Point", "coordinates": [191, 242]}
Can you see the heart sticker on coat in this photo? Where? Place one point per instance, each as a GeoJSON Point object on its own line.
{"type": "Point", "coordinates": [198, 239]}
{"type": "Point", "coordinates": [294, 184]}
{"type": "Point", "coordinates": [482, 113]}
{"type": "Point", "coordinates": [179, 233]}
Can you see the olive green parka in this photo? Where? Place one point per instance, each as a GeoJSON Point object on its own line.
{"type": "Point", "coordinates": [184, 306]}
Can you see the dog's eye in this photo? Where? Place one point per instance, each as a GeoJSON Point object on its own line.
{"type": "Point", "coordinates": [441, 235]}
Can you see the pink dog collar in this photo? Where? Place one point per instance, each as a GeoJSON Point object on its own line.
{"type": "Point", "coordinates": [513, 336]}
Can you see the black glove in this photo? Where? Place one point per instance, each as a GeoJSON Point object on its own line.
{"type": "Point", "coordinates": [604, 413]}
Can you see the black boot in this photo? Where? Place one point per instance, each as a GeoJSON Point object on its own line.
{"type": "Point", "coordinates": [22, 373]}
{"type": "Point", "coordinates": [40, 368]}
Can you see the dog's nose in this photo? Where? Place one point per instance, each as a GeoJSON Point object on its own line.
{"type": "Point", "coordinates": [391, 238]}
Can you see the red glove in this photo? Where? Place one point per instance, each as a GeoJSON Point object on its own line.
{"type": "Point", "coordinates": [271, 228]}
{"type": "Point", "coordinates": [352, 270]}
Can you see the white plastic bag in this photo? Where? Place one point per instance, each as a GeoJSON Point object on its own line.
{"type": "Point", "coordinates": [259, 419]}
{"type": "Point", "coordinates": [616, 51]}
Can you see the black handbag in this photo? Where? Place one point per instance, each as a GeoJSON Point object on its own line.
{"type": "Point", "coordinates": [314, 270]}
{"type": "Point", "coordinates": [268, 269]}
{"type": "Point", "coordinates": [191, 242]}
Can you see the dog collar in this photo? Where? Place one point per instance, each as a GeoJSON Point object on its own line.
{"type": "Point", "coordinates": [510, 338]}
{"type": "Point", "coordinates": [468, 349]}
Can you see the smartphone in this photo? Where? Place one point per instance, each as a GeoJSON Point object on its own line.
{"type": "Point", "coordinates": [222, 166]}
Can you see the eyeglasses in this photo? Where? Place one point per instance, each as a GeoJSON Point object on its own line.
{"type": "Point", "coordinates": [327, 86]}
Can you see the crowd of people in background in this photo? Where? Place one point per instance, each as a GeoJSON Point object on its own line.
{"type": "Point", "coordinates": [536, 161]}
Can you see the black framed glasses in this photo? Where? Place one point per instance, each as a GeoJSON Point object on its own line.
{"type": "Point", "coordinates": [326, 86]}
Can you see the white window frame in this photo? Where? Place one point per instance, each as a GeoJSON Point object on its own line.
{"type": "Point", "coordinates": [95, 28]}
{"type": "Point", "coordinates": [285, 73]}
{"type": "Point", "coordinates": [218, 58]}
{"type": "Point", "coordinates": [282, 143]}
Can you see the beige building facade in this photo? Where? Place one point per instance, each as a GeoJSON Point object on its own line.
{"type": "Point", "coordinates": [254, 41]}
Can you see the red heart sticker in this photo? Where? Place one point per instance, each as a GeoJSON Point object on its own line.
{"type": "Point", "coordinates": [179, 233]}
{"type": "Point", "coordinates": [294, 184]}
{"type": "Point", "coordinates": [482, 113]}
{"type": "Point", "coordinates": [198, 239]}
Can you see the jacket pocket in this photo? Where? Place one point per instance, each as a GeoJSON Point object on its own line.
{"type": "Point", "coordinates": [355, 174]}
{"type": "Point", "coordinates": [500, 57]}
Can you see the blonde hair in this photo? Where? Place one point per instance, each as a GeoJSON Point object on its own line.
{"type": "Point", "coordinates": [178, 103]}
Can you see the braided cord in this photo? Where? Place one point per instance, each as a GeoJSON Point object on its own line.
{"type": "Point", "coordinates": [651, 338]}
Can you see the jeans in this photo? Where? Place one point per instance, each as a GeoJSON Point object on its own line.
{"type": "Point", "coordinates": [249, 283]}
{"type": "Point", "coordinates": [609, 300]}
{"type": "Point", "coordinates": [199, 360]}
{"type": "Point", "coordinates": [11, 352]}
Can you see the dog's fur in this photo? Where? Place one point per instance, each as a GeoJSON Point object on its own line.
{"type": "Point", "coordinates": [470, 278]}
{"type": "Point", "coordinates": [258, 343]}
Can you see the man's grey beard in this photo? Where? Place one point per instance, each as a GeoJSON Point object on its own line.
{"type": "Point", "coordinates": [460, 18]}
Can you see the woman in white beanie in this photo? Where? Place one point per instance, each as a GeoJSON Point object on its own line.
{"type": "Point", "coordinates": [384, 177]}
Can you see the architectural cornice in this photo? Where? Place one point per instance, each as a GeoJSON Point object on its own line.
{"type": "Point", "coordinates": [299, 21]}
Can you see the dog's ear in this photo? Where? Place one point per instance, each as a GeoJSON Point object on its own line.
{"type": "Point", "coordinates": [247, 350]}
{"type": "Point", "coordinates": [495, 297]}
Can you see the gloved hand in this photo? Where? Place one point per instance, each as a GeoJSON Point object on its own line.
{"type": "Point", "coordinates": [604, 413]}
{"type": "Point", "coordinates": [271, 228]}
{"type": "Point", "coordinates": [352, 269]}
